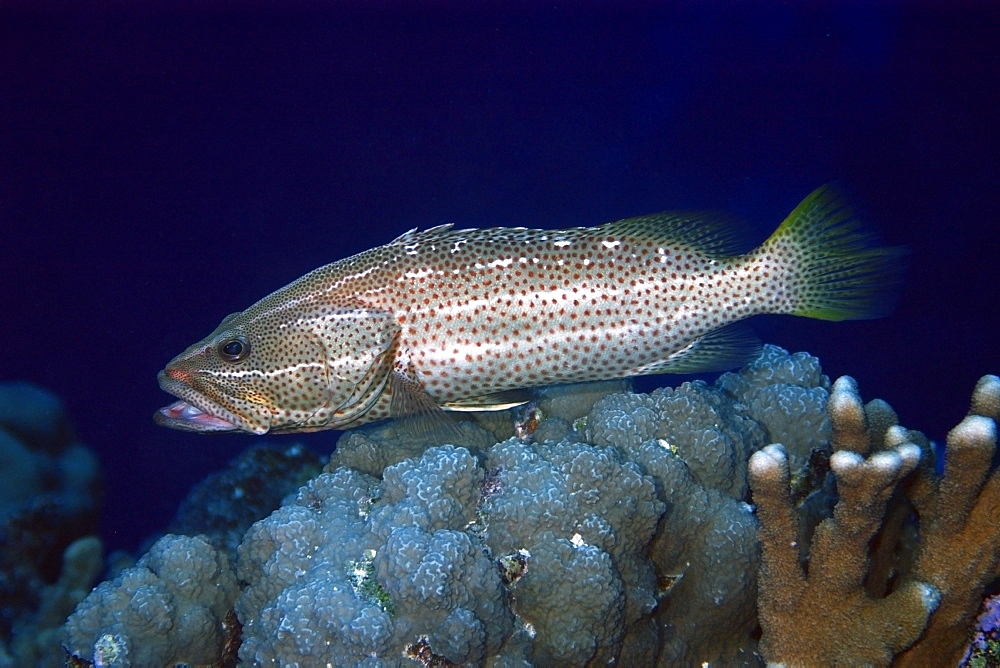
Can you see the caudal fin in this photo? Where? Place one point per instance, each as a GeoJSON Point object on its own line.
{"type": "Point", "coordinates": [835, 269]}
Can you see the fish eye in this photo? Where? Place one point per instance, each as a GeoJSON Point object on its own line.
{"type": "Point", "coordinates": [234, 349]}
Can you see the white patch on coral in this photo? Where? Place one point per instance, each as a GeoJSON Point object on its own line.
{"type": "Point", "coordinates": [667, 445]}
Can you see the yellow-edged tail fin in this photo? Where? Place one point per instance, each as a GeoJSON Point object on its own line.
{"type": "Point", "coordinates": [834, 267]}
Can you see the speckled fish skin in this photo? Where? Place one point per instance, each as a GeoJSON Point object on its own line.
{"type": "Point", "coordinates": [445, 316]}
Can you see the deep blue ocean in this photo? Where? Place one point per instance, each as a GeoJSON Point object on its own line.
{"type": "Point", "coordinates": [164, 165]}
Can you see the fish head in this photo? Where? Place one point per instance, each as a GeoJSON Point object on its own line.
{"type": "Point", "coordinates": [286, 366]}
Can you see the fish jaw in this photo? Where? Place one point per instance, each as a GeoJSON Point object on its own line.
{"type": "Point", "coordinates": [196, 412]}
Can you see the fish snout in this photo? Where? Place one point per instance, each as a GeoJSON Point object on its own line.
{"type": "Point", "coordinates": [178, 375]}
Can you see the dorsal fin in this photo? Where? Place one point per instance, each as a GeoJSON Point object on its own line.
{"type": "Point", "coordinates": [711, 233]}
{"type": "Point", "coordinates": [715, 234]}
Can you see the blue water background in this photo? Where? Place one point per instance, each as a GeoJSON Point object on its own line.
{"type": "Point", "coordinates": [165, 165]}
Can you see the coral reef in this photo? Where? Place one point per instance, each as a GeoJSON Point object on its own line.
{"type": "Point", "coordinates": [169, 608]}
{"type": "Point", "coordinates": [592, 526]}
{"type": "Point", "coordinates": [37, 639]}
{"type": "Point", "coordinates": [354, 567]}
{"type": "Point", "coordinates": [50, 488]}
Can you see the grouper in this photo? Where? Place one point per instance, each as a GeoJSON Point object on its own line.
{"type": "Point", "coordinates": [452, 319]}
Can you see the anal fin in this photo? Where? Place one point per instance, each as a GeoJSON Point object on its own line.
{"type": "Point", "coordinates": [720, 350]}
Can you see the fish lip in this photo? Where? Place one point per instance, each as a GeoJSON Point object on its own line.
{"type": "Point", "coordinates": [195, 411]}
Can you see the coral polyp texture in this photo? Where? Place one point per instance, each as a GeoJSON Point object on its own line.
{"type": "Point", "coordinates": [770, 517]}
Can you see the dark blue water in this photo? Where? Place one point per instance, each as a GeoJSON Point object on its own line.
{"type": "Point", "coordinates": [162, 168]}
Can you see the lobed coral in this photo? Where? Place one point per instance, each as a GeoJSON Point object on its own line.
{"type": "Point", "coordinates": [50, 486]}
{"type": "Point", "coordinates": [600, 526]}
{"type": "Point", "coordinates": [352, 568]}
{"type": "Point", "coordinates": [694, 440]}
{"type": "Point", "coordinates": [170, 608]}
{"type": "Point", "coordinates": [582, 516]}
{"type": "Point", "coordinates": [355, 567]}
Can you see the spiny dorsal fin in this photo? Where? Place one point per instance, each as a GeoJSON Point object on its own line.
{"type": "Point", "coordinates": [416, 235]}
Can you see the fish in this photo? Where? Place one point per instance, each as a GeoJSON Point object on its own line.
{"type": "Point", "coordinates": [450, 319]}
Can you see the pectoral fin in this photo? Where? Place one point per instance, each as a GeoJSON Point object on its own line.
{"type": "Point", "coordinates": [418, 411]}
{"type": "Point", "coordinates": [409, 397]}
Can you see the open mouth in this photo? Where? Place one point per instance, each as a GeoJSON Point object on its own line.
{"type": "Point", "coordinates": [184, 414]}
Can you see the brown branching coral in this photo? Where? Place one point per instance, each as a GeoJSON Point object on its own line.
{"type": "Point", "coordinates": [960, 526]}
{"type": "Point", "coordinates": [831, 610]}
{"type": "Point", "coordinates": [824, 615]}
